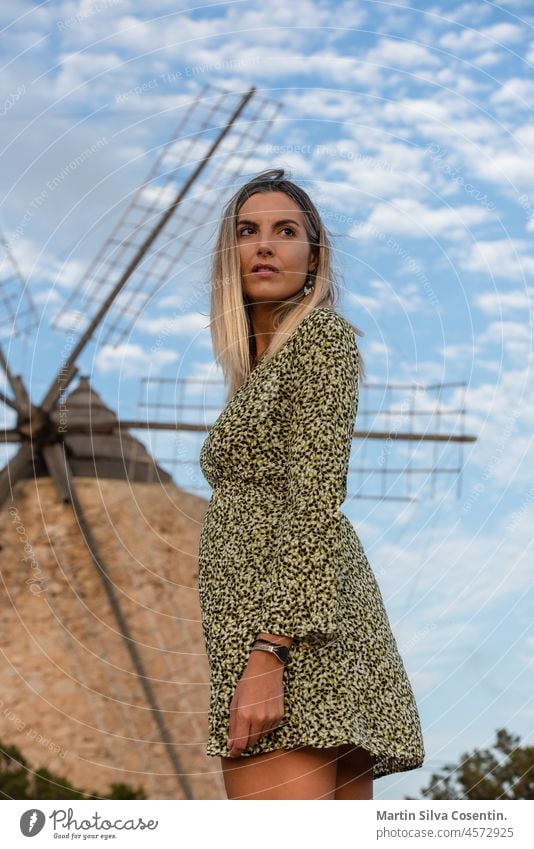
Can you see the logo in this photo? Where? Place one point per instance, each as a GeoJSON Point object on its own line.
{"type": "Point", "coordinates": [31, 822]}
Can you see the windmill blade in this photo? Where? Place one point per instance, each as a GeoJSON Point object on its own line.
{"type": "Point", "coordinates": [111, 276]}
{"type": "Point", "coordinates": [14, 470]}
{"type": "Point", "coordinates": [415, 419]}
{"type": "Point", "coordinates": [21, 402]}
{"type": "Point", "coordinates": [59, 467]}
{"type": "Point", "coordinates": [8, 401]}
{"type": "Point", "coordinates": [143, 424]}
{"type": "Point", "coordinates": [190, 150]}
{"type": "Point", "coordinates": [57, 464]}
{"type": "Point", "coordinates": [17, 311]}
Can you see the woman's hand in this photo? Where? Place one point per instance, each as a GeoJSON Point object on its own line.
{"type": "Point", "coordinates": [257, 705]}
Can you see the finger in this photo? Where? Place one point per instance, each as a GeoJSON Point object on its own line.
{"type": "Point", "coordinates": [239, 741]}
{"type": "Point", "coordinates": [265, 729]}
{"type": "Point", "coordinates": [254, 737]}
{"type": "Point", "coordinates": [233, 716]}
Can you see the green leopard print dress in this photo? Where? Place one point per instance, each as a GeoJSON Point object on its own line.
{"type": "Point", "coordinates": [276, 554]}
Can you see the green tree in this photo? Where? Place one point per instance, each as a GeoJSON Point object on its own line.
{"type": "Point", "coordinates": [19, 781]}
{"type": "Point", "coordinates": [507, 772]}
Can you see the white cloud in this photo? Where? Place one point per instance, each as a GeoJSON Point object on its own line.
{"type": "Point", "coordinates": [76, 69]}
{"type": "Point", "coordinates": [515, 337]}
{"type": "Point", "coordinates": [488, 58]}
{"type": "Point", "coordinates": [516, 91]}
{"type": "Point", "coordinates": [175, 324]}
{"type": "Point", "coordinates": [408, 217]}
{"type": "Point", "coordinates": [395, 297]}
{"type": "Point", "coordinates": [414, 109]}
{"type": "Point", "coordinates": [401, 53]}
{"type": "Point", "coordinates": [525, 135]}
{"type": "Point", "coordinates": [469, 12]}
{"type": "Point", "coordinates": [133, 360]}
{"type": "Point", "coordinates": [497, 303]}
{"type": "Point", "coordinates": [503, 258]}
{"type": "Point", "coordinates": [466, 40]}
{"type": "Point", "coordinates": [46, 296]}
{"type": "Point", "coordinates": [67, 273]}
{"type": "Point", "coordinates": [504, 33]}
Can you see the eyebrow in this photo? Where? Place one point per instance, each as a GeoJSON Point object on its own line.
{"type": "Point", "coordinates": [276, 223]}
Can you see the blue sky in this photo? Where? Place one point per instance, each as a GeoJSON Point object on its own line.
{"type": "Point", "coordinates": [413, 132]}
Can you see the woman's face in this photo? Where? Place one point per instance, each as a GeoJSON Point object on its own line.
{"type": "Point", "coordinates": [270, 230]}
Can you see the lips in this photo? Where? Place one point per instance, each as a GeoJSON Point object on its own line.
{"type": "Point", "coordinates": [262, 266]}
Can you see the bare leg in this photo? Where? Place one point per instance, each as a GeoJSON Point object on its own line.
{"type": "Point", "coordinates": [354, 773]}
{"type": "Point", "coordinates": [303, 773]}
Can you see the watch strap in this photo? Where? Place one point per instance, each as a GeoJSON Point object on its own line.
{"type": "Point", "coordinates": [281, 652]}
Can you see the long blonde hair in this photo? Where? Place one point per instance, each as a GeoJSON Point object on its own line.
{"type": "Point", "coordinates": [231, 327]}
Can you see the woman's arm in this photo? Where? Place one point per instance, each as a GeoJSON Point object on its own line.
{"type": "Point", "coordinates": [300, 600]}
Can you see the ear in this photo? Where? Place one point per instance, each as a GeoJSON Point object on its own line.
{"type": "Point", "coordinates": [313, 263]}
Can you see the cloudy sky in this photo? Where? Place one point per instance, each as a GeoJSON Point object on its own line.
{"type": "Point", "coordinates": [413, 132]}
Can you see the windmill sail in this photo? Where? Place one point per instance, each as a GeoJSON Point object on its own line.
{"type": "Point", "coordinates": [200, 146]}
{"type": "Point", "coordinates": [17, 311]}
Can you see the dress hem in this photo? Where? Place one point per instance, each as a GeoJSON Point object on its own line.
{"type": "Point", "coordinates": [385, 764]}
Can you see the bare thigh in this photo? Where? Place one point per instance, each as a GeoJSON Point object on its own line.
{"type": "Point", "coordinates": [303, 773]}
{"type": "Point", "coordinates": [354, 778]}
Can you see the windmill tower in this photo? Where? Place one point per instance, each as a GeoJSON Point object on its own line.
{"type": "Point", "coordinates": [104, 660]}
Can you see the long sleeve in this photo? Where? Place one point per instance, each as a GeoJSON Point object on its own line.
{"type": "Point", "coordinates": [300, 600]}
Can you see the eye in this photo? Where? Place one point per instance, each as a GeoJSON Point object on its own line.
{"type": "Point", "coordinates": [241, 231]}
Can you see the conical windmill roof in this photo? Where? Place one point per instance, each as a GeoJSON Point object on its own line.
{"type": "Point", "coordinates": [95, 445]}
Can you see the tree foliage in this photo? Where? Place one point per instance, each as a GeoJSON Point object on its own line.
{"type": "Point", "coordinates": [19, 781]}
{"type": "Point", "coordinates": [504, 771]}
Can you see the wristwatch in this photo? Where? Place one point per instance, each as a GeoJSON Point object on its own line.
{"type": "Point", "coordinates": [281, 652]}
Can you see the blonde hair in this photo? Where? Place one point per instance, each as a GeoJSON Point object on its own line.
{"type": "Point", "coordinates": [231, 328]}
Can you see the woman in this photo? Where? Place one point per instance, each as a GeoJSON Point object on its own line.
{"type": "Point", "coordinates": [309, 698]}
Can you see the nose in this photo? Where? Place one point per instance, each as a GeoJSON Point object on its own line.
{"type": "Point", "coordinates": [263, 244]}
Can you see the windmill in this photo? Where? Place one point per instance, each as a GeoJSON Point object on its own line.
{"type": "Point", "coordinates": [216, 133]}
{"type": "Point", "coordinates": [412, 414]}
